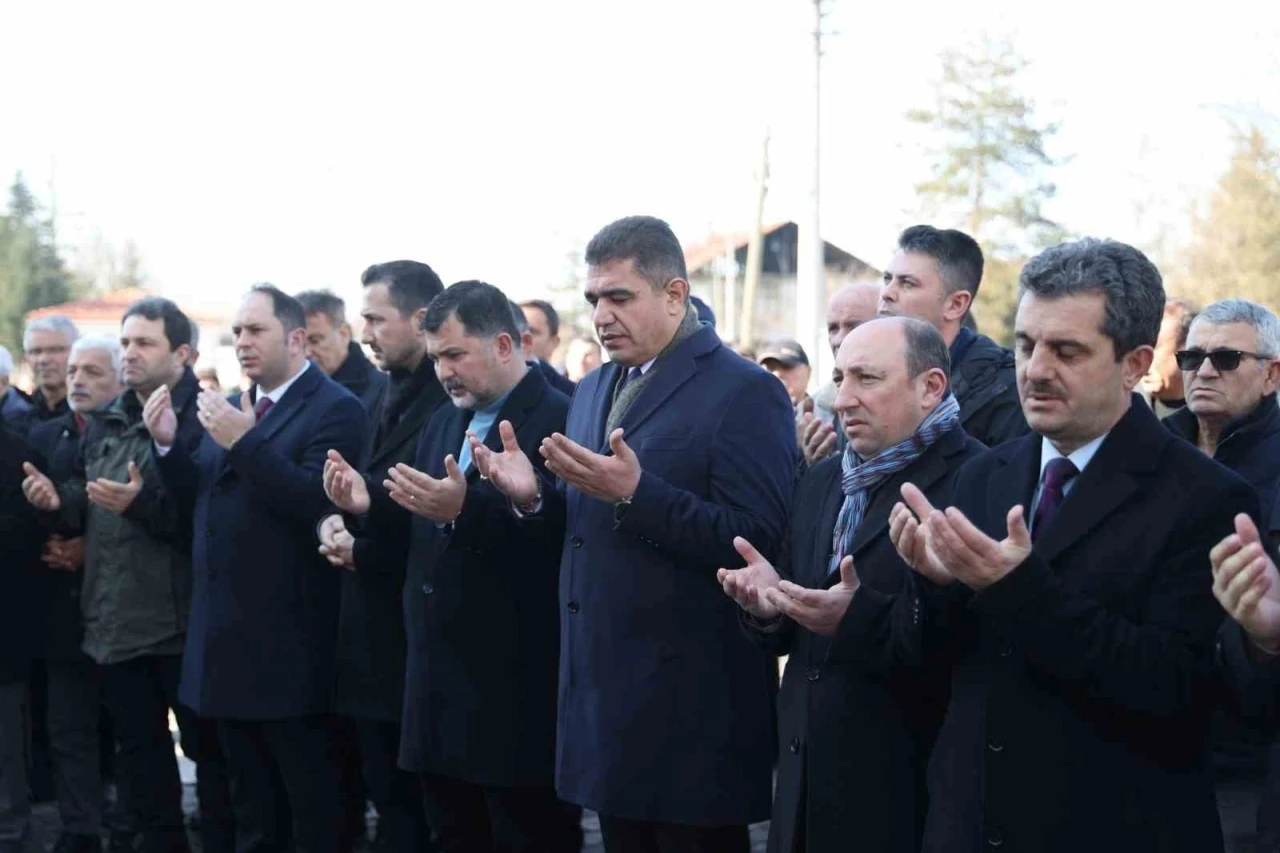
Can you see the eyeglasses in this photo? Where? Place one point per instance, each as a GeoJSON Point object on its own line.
{"type": "Point", "coordinates": [1221, 359]}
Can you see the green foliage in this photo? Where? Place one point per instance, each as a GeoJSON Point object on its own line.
{"type": "Point", "coordinates": [988, 170]}
{"type": "Point", "coordinates": [1235, 238]}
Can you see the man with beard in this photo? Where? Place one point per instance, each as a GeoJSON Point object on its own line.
{"type": "Point", "coordinates": [75, 697]}
{"type": "Point", "coordinates": [259, 656]}
{"type": "Point", "coordinates": [136, 594]}
{"type": "Point", "coordinates": [371, 635]}
{"type": "Point", "coordinates": [479, 726]}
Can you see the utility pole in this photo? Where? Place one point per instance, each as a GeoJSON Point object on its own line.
{"type": "Point", "coordinates": [811, 291]}
{"type": "Point", "coordinates": [755, 250]}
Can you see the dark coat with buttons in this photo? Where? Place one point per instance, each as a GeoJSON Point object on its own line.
{"type": "Point", "coordinates": [55, 447]}
{"type": "Point", "coordinates": [1083, 679]}
{"type": "Point", "coordinates": [371, 634]}
{"type": "Point", "coordinates": [854, 735]}
{"type": "Point", "coordinates": [264, 609]}
{"type": "Point", "coordinates": [480, 611]}
{"type": "Point", "coordinates": [666, 707]}
{"type": "Point", "coordinates": [20, 568]}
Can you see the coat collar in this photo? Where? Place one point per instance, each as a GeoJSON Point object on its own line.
{"type": "Point", "coordinates": [1129, 454]}
{"type": "Point", "coordinates": [672, 371]}
{"type": "Point", "coordinates": [522, 400]}
{"type": "Point", "coordinates": [429, 398]}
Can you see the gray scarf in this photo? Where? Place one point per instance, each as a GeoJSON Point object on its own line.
{"type": "Point", "coordinates": [622, 399]}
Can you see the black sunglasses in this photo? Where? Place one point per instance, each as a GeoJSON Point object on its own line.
{"type": "Point", "coordinates": [1221, 359]}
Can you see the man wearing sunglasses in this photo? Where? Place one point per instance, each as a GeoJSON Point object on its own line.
{"type": "Point", "coordinates": [1230, 372]}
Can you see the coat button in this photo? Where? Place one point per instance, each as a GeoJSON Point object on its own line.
{"type": "Point", "coordinates": [428, 589]}
{"type": "Point", "coordinates": [995, 746]}
{"type": "Point", "coordinates": [576, 541]}
{"type": "Point", "coordinates": [795, 746]}
{"type": "Point", "coordinates": [994, 838]}
{"type": "Point", "coordinates": [573, 607]}
{"type": "Point", "coordinates": [813, 674]}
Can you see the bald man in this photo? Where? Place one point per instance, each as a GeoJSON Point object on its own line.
{"type": "Point", "coordinates": [847, 309]}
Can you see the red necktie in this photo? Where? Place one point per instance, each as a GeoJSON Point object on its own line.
{"type": "Point", "coordinates": [263, 406]}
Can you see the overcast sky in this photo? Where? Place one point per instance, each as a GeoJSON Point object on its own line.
{"type": "Point", "coordinates": [277, 141]}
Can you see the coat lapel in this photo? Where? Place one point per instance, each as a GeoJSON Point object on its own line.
{"type": "Point", "coordinates": [672, 371]}
{"type": "Point", "coordinates": [524, 398]}
{"type": "Point", "coordinates": [431, 396]}
{"type": "Point", "coordinates": [923, 473]}
{"type": "Point", "coordinates": [815, 575]}
{"type": "Point", "coordinates": [284, 411]}
{"type": "Point", "coordinates": [1133, 447]}
{"type": "Point", "coordinates": [602, 401]}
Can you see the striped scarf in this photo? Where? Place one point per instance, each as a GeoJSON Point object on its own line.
{"type": "Point", "coordinates": [861, 478]}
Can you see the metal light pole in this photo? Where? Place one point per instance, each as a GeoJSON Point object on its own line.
{"type": "Point", "coordinates": [811, 291]}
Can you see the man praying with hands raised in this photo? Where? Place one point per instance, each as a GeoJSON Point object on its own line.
{"type": "Point", "coordinates": [852, 742]}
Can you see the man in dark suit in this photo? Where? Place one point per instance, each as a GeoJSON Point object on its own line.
{"type": "Point", "coordinates": [371, 634]}
{"type": "Point", "coordinates": [259, 655]}
{"type": "Point", "coordinates": [664, 703]}
{"type": "Point", "coordinates": [75, 698]}
{"type": "Point", "coordinates": [543, 322]}
{"type": "Point", "coordinates": [480, 600]}
{"type": "Point", "coordinates": [934, 276]}
{"type": "Point", "coordinates": [853, 739]}
{"type": "Point", "coordinates": [331, 348]}
{"type": "Point", "coordinates": [19, 605]}
{"type": "Point", "coordinates": [1069, 586]}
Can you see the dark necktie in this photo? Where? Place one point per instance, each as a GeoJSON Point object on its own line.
{"type": "Point", "coordinates": [263, 406]}
{"type": "Point", "coordinates": [1056, 476]}
{"type": "Point", "coordinates": [627, 378]}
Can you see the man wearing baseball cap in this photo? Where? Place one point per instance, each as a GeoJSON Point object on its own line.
{"type": "Point", "coordinates": [787, 361]}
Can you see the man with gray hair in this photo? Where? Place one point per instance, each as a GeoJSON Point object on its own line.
{"type": "Point", "coordinates": [14, 408]}
{"type": "Point", "coordinates": [74, 707]}
{"type": "Point", "coordinates": [47, 344]}
{"type": "Point", "coordinates": [1230, 371]}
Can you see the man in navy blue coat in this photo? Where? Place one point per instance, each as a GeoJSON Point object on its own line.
{"type": "Point", "coordinates": [671, 450]}
{"type": "Point", "coordinates": [480, 595]}
{"type": "Point", "coordinates": [259, 655]}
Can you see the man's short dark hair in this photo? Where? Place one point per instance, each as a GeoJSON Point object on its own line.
{"type": "Point", "coordinates": [1128, 281]}
{"type": "Point", "coordinates": [177, 326]}
{"type": "Point", "coordinates": [959, 257]}
{"type": "Point", "coordinates": [324, 302]}
{"type": "Point", "coordinates": [1185, 312]}
{"type": "Point", "coordinates": [647, 241]}
{"type": "Point", "coordinates": [517, 316]}
{"type": "Point", "coordinates": [926, 348]}
{"type": "Point", "coordinates": [411, 284]}
{"type": "Point", "coordinates": [548, 311]}
{"type": "Point", "coordinates": [483, 310]}
{"type": "Point", "coordinates": [285, 308]}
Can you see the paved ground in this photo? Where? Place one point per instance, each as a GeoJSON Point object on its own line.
{"type": "Point", "coordinates": [45, 821]}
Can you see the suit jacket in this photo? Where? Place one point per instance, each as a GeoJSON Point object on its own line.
{"type": "Point", "coordinates": [20, 589]}
{"type": "Point", "coordinates": [264, 613]}
{"type": "Point", "coordinates": [665, 706]}
{"type": "Point", "coordinates": [363, 379]}
{"type": "Point", "coordinates": [1083, 679]}
{"type": "Point", "coordinates": [55, 447]}
{"type": "Point", "coordinates": [371, 636]}
{"type": "Point", "coordinates": [854, 736]}
{"type": "Point", "coordinates": [480, 606]}
{"type": "Point", "coordinates": [555, 378]}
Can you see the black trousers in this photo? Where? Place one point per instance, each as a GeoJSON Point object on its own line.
{"type": "Point", "coordinates": [74, 722]}
{"type": "Point", "coordinates": [470, 818]}
{"type": "Point", "coordinates": [623, 835]}
{"type": "Point", "coordinates": [139, 695]}
{"type": "Point", "coordinates": [396, 793]}
{"type": "Point", "coordinates": [280, 768]}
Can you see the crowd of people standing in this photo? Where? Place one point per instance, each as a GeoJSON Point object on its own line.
{"type": "Point", "coordinates": [1017, 609]}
